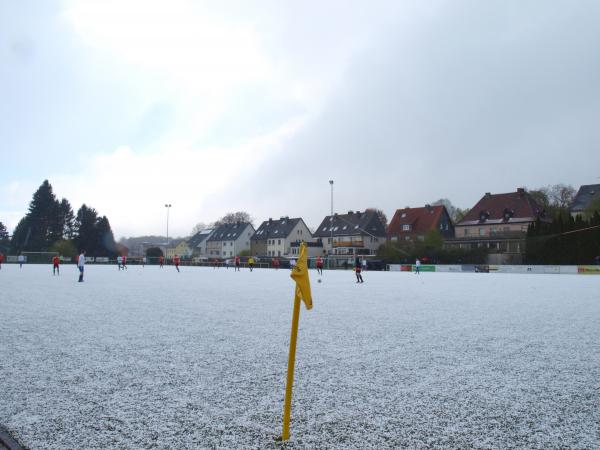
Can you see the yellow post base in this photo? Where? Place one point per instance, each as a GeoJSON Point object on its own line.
{"type": "Point", "coordinates": [287, 408]}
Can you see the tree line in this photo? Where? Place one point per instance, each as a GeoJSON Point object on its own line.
{"type": "Point", "coordinates": [51, 226]}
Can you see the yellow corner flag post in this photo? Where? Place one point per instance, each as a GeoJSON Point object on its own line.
{"type": "Point", "coordinates": [302, 292]}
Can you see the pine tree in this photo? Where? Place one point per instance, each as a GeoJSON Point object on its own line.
{"type": "Point", "coordinates": [4, 240]}
{"type": "Point", "coordinates": [67, 219]}
{"type": "Point", "coordinates": [40, 228]}
{"type": "Point", "coordinates": [20, 236]}
{"type": "Point", "coordinates": [106, 245]}
{"type": "Point", "coordinates": [85, 229]}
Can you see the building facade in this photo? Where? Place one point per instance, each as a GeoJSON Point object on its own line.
{"type": "Point", "coordinates": [586, 200]}
{"type": "Point", "coordinates": [413, 224]}
{"type": "Point", "coordinates": [274, 237]}
{"type": "Point", "coordinates": [498, 222]}
{"type": "Point", "coordinates": [229, 240]}
{"type": "Point", "coordinates": [353, 233]}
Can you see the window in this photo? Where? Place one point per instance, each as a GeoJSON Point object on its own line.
{"type": "Point", "coordinates": [329, 240]}
{"type": "Point", "coordinates": [344, 227]}
{"type": "Point", "coordinates": [482, 232]}
{"type": "Point", "coordinates": [403, 215]}
{"type": "Point", "coordinates": [466, 231]}
{"type": "Point", "coordinates": [394, 238]}
{"type": "Point", "coordinates": [405, 227]}
{"type": "Point", "coordinates": [278, 241]}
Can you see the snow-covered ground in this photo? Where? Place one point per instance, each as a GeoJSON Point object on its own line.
{"type": "Point", "coordinates": [152, 358]}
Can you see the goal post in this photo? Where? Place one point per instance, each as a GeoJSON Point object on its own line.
{"type": "Point", "coordinates": [39, 257]}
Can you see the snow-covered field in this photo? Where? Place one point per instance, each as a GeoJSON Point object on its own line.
{"type": "Point", "coordinates": [152, 358]}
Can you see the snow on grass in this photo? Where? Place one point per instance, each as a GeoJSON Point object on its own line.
{"type": "Point", "coordinates": [152, 358]}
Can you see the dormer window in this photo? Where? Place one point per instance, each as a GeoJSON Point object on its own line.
{"type": "Point", "coordinates": [483, 216]}
{"type": "Point", "coordinates": [344, 227]}
{"type": "Point", "coordinates": [403, 215]}
{"type": "Point", "coordinates": [507, 214]}
{"type": "Point", "coordinates": [356, 227]}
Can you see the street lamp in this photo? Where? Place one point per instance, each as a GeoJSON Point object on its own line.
{"type": "Point", "coordinates": [331, 221]}
{"type": "Point", "coordinates": [168, 206]}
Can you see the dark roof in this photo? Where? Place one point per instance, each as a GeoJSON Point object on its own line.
{"type": "Point", "coordinates": [351, 224]}
{"type": "Point", "coordinates": [199, 237]}
{"type": "Point", "coordinates": [585, 195]}
{"type": "Point", "coordinates": [228, 231]}
{"type": "Point", "coordinates": [512, 207]}
{"type": "Point", "coordinates": [280, 228]}
{"type": "Point", "coordinates": [421, 220]}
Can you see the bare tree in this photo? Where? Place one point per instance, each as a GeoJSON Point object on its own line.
{"type": "Point", "coordinates": [455, 213]}
{"type": "Point", "coordinates": [233, 217]}
{"type": "Point", "coordinates": [380, 214]}
{"type": "Point", "coordinates": [198, 228]}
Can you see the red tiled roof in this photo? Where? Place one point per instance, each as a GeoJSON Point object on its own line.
{"type": "Point", "coordinates": [519, 204]}
{"type": "Point", "coordinates": [421, 220]}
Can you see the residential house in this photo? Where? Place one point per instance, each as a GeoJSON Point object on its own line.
{"type": "Point", "coordinates": [274, 237]}
{"type": "Point", "coordinates": [353, 233]}
{"type": "Point", "coordinates": [180, 248]}
{"type": "Point", "coordinates": [587, 198]}
{"type": "Point", "coordinates": [229, 240]}
{"type": "Point", "coordinates": [313, 249]}
{"type": "Point", "coordinates": [198, 242]}
{"type": "Point", "coordinates": [413, 224]}
{"type": "Point", "coordinates": [499, 223]}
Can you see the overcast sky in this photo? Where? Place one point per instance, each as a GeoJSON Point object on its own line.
{"type": "Point", "coordinates": [239, 105]}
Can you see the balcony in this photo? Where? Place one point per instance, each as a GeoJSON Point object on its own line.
{"type": "Point", "coordinates": [348, 244]}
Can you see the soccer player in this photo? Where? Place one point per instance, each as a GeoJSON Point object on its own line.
{"type": "Point", "coordinates": [319, 265]}
{"type": "Point", "coordinates": [81, 265]}
{"type": "Point", "coordinates": [176, 261]}
{"type": "Point", "coordinates": [161, 260]}
{"type": "Point", "coordinates": [21, 260]}
{"type": "Point", "coordinates": [237, 263]}
{"type": "Point", "coordinates": [276, 263]}
{"type": "Point", "coordinates": [1, 259]}
{"type": "Point", "coordinates": [357, 269]}
{"type": "Point", "coordinates": [124, 262]}
{"type": "Point", "coordinates": [417, 266]}
{"type": "Point", "coordinates": [251, 263]}
{"type": "Point", "coordinates": [143, 261]}
{"type": "Point", "coordinates": [55, 265]}
{"type": "Point", "coordinates": [119, 261]}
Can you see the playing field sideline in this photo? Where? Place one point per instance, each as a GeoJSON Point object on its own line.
{"type": "Point", "coordinates": [155, 358]}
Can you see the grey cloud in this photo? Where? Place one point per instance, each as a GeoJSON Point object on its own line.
{"type": "Point", "coordinates": [479, 96]}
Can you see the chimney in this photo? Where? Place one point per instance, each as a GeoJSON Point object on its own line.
{"type": "Point", "coordinates": [521, 191]}
{"type": "Point", "coordinates": [487, 194]}
{"type": "Point", "coordinates": [270, 220]}
{"type": "Point", "coordinates": [350, 213]}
